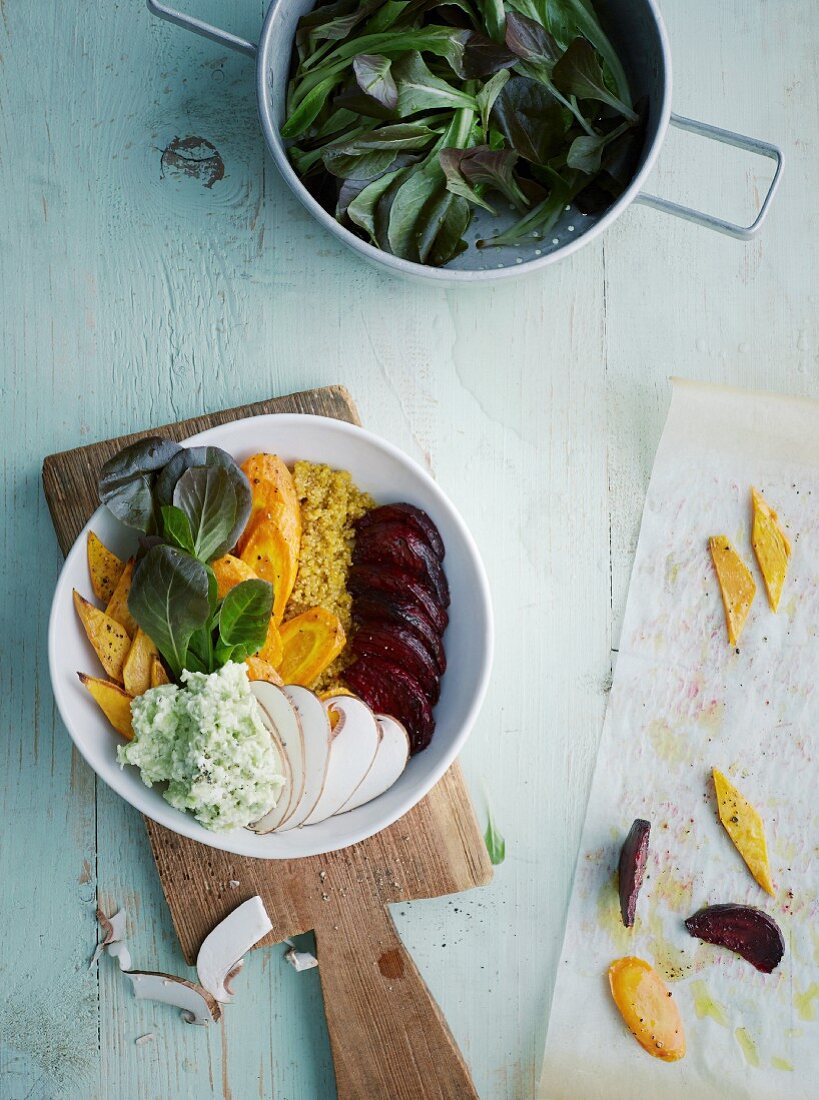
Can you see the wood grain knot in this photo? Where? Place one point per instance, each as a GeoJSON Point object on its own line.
{"type": "Point", "coordinates": [391, 964]}
{"type": "Point", "coordinates": [194, 158]}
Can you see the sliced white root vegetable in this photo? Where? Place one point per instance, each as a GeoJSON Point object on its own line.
{"type": "Point", "coordinates": [195, 1003]}
{"type": "Point", "coordinates": [231, 939]}
{"type": "Point", "coordinates": [315, 726]}
{"type": "Point", "coordinates": [284, 727]}
{"type": "Point", "coordinates": [355, 738]}
{"type": "Point", "coordinates": [390, 761]}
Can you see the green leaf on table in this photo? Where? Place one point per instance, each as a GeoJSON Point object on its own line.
{"type": "Point", "coordinates": [530, 118]}
{"type": "Point", "coordinates": [169, 600]}
{"type": "Point", "coordinates": [495, 844]}
{"type": "Point", "coordinates": [208, 498]}
{"type": "Point", "coordinates": [579, 73]}
{"type": "Point", "coordinates": [244, 616]}
{"type": "Point", "coordinates": [373, 76]}
{"type": "Point", "coordinates": [126, 482]}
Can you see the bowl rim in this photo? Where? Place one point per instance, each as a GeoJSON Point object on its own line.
{"type": "Point", "coordinates": [235, 842]}
{"type": "Point", "coordinates": [445, 275]}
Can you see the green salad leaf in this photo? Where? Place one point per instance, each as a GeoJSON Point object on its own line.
{"type": "Point", "coordinates": [126, 483]}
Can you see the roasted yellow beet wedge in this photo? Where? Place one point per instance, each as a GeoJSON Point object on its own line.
{"type": "Point", "coordinates": [257, 669]}
{"type": "Point", "coordinates": [736, 585]}
{"type": "Point", "coordinates": [647, 1007]}
{"type": "Point", "coordinates": [117, 606]}
{"type": "Point", "coordinates": [311, 642]}
{"type": "Point", "coordinates": [108, 637]}
{"type": "Point", "coordinates": [158, 674]}
{"type": "Point", "coordinates": [272, 651]}
{"type": "Point", "coordinates": [271, 557]}
{"type": "Point", "coordinates": [104, 567]}
{"type": "Point", "coordinates": [771, 546]}
{"type": "Point", "coordinates": [113, 701]}
{"type": "Point", "coordinates": [274, 498]}
{"type": "Point", "coordinates": [745, 828]}
{"type": "Point", "coordinates": [136, 672]}
{"type": "Point", "coordinates": [230, 571]}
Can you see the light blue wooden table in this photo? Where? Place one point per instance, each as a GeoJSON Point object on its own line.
{"type": "Point", "coordinates": [133, 293]}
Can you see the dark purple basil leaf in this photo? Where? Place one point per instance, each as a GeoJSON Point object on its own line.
{"type": "Point", "coordinates": [531, 119]}
{"type": "Point", "coordinates": [482, 57]}
{"type": "Point", "coordinates": [126, 482]}
{"type": "Point", "coordinates": [373, 76]}
{"type": "Point", "coordinates": [529, 40]}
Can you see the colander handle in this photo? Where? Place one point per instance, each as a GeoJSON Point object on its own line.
{"type": "Point", "coordinates": [726, 137]}
{"type": "Point", "coordinates": [199, 26]}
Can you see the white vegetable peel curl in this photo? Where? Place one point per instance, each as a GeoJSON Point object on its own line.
{"type": "Point", "coordinates": [196, 1005]}
{"type": "Point", "coordinates": [222, 950]}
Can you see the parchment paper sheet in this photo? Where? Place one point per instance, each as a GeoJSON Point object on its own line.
{"type": "Point", "coordinates": [683, 701]}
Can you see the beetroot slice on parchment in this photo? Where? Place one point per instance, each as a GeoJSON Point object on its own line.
{"type": "Point", "coordinates": [748, 931]}
{"type": "Point", "coordinates": [632, 868]}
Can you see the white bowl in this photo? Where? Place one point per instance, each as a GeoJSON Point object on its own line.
{"type": "Point", "coordinates": [380, 469]}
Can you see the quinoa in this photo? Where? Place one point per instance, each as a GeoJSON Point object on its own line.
{"type": "Point", "coordinates": [330, 505]}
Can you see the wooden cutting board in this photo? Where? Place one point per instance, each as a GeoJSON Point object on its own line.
{"type": "Point", "coordinates": [388, 1037]}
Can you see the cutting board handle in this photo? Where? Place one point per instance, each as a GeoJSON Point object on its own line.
{"type": "Point", "coordinates": [389, 1039]}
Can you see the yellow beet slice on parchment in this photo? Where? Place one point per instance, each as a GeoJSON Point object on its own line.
{"type": "Point", "coordinates": [745, 828]}
{"type": "Point", "coordinates": [647, 1007]}
{"type": "Point", "coordinates": [736, 585]}
{"type": "Point", "coordinates": [771, 546]}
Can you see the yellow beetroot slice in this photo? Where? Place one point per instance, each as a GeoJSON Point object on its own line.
{"type": "Point", "coordinates": [632, 868]}
{"type": "Point", "coordinates": [647, 1007]}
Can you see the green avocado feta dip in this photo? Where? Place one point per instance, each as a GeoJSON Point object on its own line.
{"type": "Point", "coordinates": [207, 740]}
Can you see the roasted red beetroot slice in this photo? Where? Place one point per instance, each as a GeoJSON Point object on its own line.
{"type": "Point", "coordinates": [400, 646]}
{"type": "Point", "coordinates": [388, 689]}
{"type": "Point", "coordinates": [400, 545]}
{"type": "Point", "coordinates": [380, 607]}
{"type": "Point", "coordinates": [408, 513]}
{"type": "Point", "coordinates": [392, 581]}
{"type": "Point", "coordinates": [741, 928]}
{"type": "Point", "coordinates": [633, 858]}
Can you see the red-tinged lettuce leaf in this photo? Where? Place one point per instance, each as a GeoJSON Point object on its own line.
{"type": "Point", "coordinates": [126, 482]}
{"type": "Point", "coordinates": [450, 161]}
{"type": "Point", "coordinates": [373, 76]}
{"type": "Point", "coordinates": [530, 40]}
{"type": "Point", "coordinates": [482, 57]}
{"type": "Point", "coordinates": [530, 119]}
{"type": "Point", "coordinates": [370, 155]}
{"type": "Point", "coordinates": [579, 73]}
{"type": "Point", "coordinates": [488, 94]}
{"type": "Point", "coordinates": [495, 168]}
{"type": "Point", "coordinates": [441, 227]}
{"type": "Point", "coordinates": [362, 209]}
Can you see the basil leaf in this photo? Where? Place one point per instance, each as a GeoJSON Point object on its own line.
{"type": "Point", "coordinates": [195, 456]}
{"type": "Point", "coordinates": [373, 76]}
{"type": "Point", "coordinates": [169, 600]}
{"type": "Point", "coordinates": [208, 498]}
{"type": "Point", "coordinates": [244, 617]}
{"type": "Point", "coordinates": [176, 528]}
{"type": "Point", "coordinates": [579, 73]}
{"type": "Point", "coordinates": [530, 119]}
{"type": "Point", "coordinates": [127, 480]}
